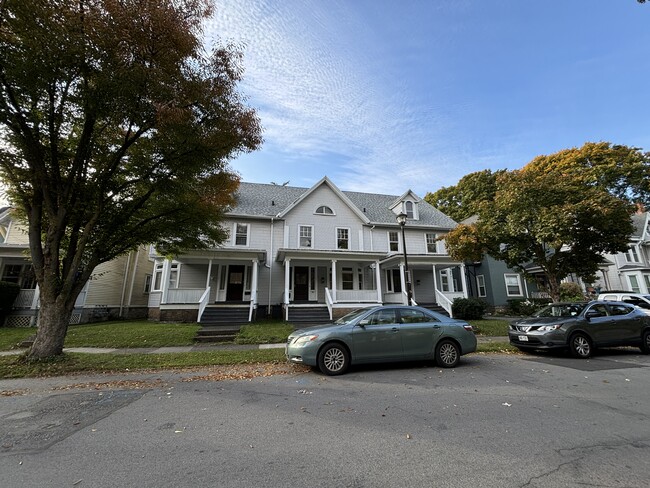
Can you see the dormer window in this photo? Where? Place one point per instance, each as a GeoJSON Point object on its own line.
{"type": "Point", "coordinates": [324, 210]}
{"type": "Point", "coordinates": [411, 210]}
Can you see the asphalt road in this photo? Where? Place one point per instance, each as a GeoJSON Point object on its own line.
{"type": "Point", "coordinates": [495, 421]}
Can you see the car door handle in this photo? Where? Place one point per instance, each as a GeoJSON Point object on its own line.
{"type": "Point", "coordinates": [395, 329]}
{"type": "Point", "coordinates": [436, 326]}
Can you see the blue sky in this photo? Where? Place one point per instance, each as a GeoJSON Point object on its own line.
{"type": "Point", "coordinates": [384, 96]}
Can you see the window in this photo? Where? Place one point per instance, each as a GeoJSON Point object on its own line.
{"type": "Point", "coordinates": [631, 256]}
{"type": "Point", "coordinates": [11, 273]}
{"type": "Point", "coordinates": [382, 317]}
{"type": "Point", "coordinates": [342, 238]}
{"type": "Point", "coordinates": [393, 280]}
{"type": "Point", "coordinates": [174, 271]}
{"type": "Point", "coordinates": [432, 244]}
{"type": "Point", "coordinates": [411, 316]}
{"type": "Point", "coordinates": [324, 210]}
{"type": "Point", "coordinates": [393, 241]}
{"type": "Point", "coordinates": [22, 275]}
{"type": "Point", "coordinates": [513, 285]}
{"type": "Point", "coordinates": [634, 283]}
{"type": "Point", "coordinates": [305, 236]}
{"type": "Point", "coordinates": [408, 209]}
{"type": "Point", "coordinates": [241, 234]}
{"type": "Point", "coordinates": [480, 284]}
{"type": "Point", "coordinates": [620, 309]}
{"type": "Point", "coordinates": [147, 283]}
{"type": "Point", "coordinates": [444, 280]}
{"type": "Point", "coordinates": [157, 277]}
{"type": "Point", "coordinates": [646, 279]}
{"type": "Point", "coordinates": [347, 279]}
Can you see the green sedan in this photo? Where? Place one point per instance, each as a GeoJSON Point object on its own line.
{"type": "Point", "coordinates": [382, 334]}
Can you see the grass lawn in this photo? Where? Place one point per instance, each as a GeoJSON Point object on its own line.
{"type": "Point", "coordinates": [266, 332]}
{"type": "Point", "coordinates": [490, 327]}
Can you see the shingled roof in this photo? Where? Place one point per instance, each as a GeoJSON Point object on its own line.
{"type": "Point", "coordinates": [267, 200]}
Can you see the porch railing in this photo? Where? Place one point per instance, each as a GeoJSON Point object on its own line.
{"type": "Point", "coordinates": [446, 299]}
{"type": "Point", "coordinates": [328, 301]}
{"type": "Point", "coordinates": [203, 302]}
{"type": "Point", "coordinates": [188, 295]}
{"type": "Point", "coordinates": [25, 298]}
{"type": "Point", "coordinates": [356, 296]}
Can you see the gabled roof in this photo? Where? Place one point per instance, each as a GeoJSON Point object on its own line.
{"type": "Point", "coordinates": [327, 182]}
{"type": "Point", "coordinates": [267, 200]}
{"type": "Point", "coordinates": [640, 223]}
{"type": "Point", "coordinates": [407, 195]}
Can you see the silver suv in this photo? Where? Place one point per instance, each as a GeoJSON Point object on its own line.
{"type": "Point", "coordinates": [638, 299]}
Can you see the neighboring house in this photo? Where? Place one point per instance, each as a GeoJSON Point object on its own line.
{"type": "Point", "coordinates": [310, 254]}
{"type": "Point", "coordinates": [117, 289]}
{"type": "Point", "coordinates": [629, 270]}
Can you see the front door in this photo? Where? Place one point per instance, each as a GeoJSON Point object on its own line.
{"type": "Point", "coordinates": [300, 284]}
{"type": "Point", "coordinates": [235, 292]}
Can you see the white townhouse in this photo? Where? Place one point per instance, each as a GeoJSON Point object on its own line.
{"type": "Point", "coordinates": [630, 270]}
{"type": "Point", "coordinates": [310, 255]}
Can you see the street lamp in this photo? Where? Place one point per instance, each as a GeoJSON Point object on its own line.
{"type": "Point", "coordinates": [401, 220]}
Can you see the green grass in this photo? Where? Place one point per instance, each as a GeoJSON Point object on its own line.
{"type": "Point", "coordinates": [10, 337]}
{"type": "Point", "coordinates": [490, 327]}
{"type": "Point", "coordinates": [267, 332]}
{"type": "Point", "coordinates": [69, 363]}
{"type": "Point", "coordinates": [131, 334]}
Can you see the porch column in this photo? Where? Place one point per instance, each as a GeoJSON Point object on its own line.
{"type": "Point", "coordinates": [37, 294]}
{"type": "Point", "coordinates": [435, 280]}
{"type": "Point", "coordinates": [378, 279]}
{"type": "Point", "coordinates": [402, 278]}
{"type": "Point", "coordinates": [287, 270]}
{"type": "Point", "coordinates": [463, 279]}
{"type": "Point", "coordinates": [167, 267]}
{"type": "Point", "coordinates": [334, 280]}
{"type": "Point", "coordinates": [254, 282]}
{"type": "Point", "coordinates": [207, 280]}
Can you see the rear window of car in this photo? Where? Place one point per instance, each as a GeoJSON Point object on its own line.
{"type": "Point", "coordinates": [621, 309]}
{"type": "Point", "coordinates": [561, 310]}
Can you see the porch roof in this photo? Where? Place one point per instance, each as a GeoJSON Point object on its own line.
{"type": "Point", "coordinates": [14, 251]}
{"type": "Point", "coordinates": [229, 254]}
{"type": "Point", "coordinates": [328, 255]}
{"type": "Point", "coordinates": [419, 260]}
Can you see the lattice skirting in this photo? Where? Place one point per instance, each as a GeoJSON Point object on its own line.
{"type": "Point", "coordinates": [32, 320]}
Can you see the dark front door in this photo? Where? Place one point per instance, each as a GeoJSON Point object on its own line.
{"type": "Point", "coordinates": [301, 284]}
{"type": "Point", "coordinates": [235, 290]}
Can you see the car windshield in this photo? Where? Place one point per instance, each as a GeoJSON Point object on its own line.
{"type": "Point", "coordinates": [346, 319]}
{"type": "Point", "coordinates": [561, 310]}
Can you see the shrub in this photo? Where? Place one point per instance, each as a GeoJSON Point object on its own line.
{"type": "Point", "coordinates": [571, 292]}
{"type": "Point", "coordinates": [469, 308]}
{"type": "Point", "coordinates": [526, 306]}
{"type": "Point", "coordinates": [8, 294]}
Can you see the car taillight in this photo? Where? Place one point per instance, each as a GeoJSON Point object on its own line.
{"type": "Point", "coordinates": [468, 327]}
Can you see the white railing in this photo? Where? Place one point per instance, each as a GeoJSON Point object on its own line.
{"type": "Point", "coordinates": [328, 301]}
{"type": "Point", "coordinates": [406, 299]}
{"type": "Point", "coordinates": [203, 302]}
{"type": "Point", "coordinates": [189, 295]}
{"type": "Point", "coordinates": [446, 299]}
{"type": "Point", "coordinates": [250, 311]}
{"type": "Point", "coordinates": [356, 296]}
{"type": "Point", "coordinates": [25, 298]}
{"type": "Point", "coordinates": [540, 294]}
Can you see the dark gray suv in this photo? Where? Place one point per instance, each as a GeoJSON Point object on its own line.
{"type": "Point", "coordinates": [583, 326]}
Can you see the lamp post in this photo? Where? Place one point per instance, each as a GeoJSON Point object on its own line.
{"type": "Point", "coordinates": [401, 220]}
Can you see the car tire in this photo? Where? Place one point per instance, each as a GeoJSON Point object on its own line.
{"type": "Point", "coordinates": [581, 346]}
{"type": "Point", "coordinates": [333, 359]}
{"type": "Point", "coordinates": [645, 342]}
{"type": "Point", "coordinates": [447, 354]}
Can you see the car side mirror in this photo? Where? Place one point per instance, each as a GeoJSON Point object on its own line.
{"type": "Point", "coordinates": [363, 323]}
{"type": "Point", "coordinates": [591, 314]}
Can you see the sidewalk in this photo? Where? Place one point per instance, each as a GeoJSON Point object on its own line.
{"type": "Point", "coordinates": [195, 348]}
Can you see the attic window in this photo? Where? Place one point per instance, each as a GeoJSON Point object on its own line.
{"type": "Point", "coordinates": [324, 210]}
{"type": "Point", "coordinates": [410, 210]}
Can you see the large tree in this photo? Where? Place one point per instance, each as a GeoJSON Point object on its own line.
{"type": "Point", "coordinates": [462, 200]}
{"type": "Point", "coordinates": [559, 213]}
{"type": "Point", "coordinates": [117, 129]}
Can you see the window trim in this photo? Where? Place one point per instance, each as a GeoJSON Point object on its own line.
{"type": "Point", "coordinates": [521, 288]}
{"type": "Point", "coordinates": [479, 286]}
{"type": "Point", "coordinates": [399, 243]}
{"type": "Point", "coordinates": [325, 213]}
{"type": "Point", "coordinates": [632, 255]}
{"type": "Point", "coordinates": [311, 236]}
{"type": "Point", "coordinates": [435, 242]}
{"type": "Point", "coordinates": [347, 229]}
{"type": "Point", "coordinates": [234, 233]}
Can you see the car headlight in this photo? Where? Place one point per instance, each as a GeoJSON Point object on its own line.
{"type": "Point", "coordinates": [548, 328]}
{"type": "Point", "coordinates": [304, 340]}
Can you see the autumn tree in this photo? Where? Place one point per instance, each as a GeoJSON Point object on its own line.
{"type": "Point", "coordinates": [117, 130]}
{"type": "Point", "coordinates": [462, 200]}
{"type": "Point", "coordinates": [560, 213]}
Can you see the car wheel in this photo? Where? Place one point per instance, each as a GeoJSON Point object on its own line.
{"type": "Point", "coordinates": [447, 354]}
{"type": "Point", "coordinates": [645, 342]}
{"type": "Point", "coordinates": [333, 359]}
{"type": "Point", "coordinates": [580, 346]}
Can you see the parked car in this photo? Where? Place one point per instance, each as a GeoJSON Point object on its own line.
{"type": "Point", "coordinates": [583, 326]}
{"type": "Point", "coordinates": [382, 334]}
{"type": "Point", "coordinates": [638, 299]}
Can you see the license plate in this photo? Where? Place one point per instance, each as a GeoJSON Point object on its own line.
{"type": "Point", "coordinates": [523, 338]}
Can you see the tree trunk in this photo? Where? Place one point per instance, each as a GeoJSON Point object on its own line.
{"type": "Point", "coordinates": [52, 327]}
{"type": "Point", "coordinates": [553, 288]}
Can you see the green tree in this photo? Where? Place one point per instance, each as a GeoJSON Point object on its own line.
{"type": "Point", "coordinates": [463, 199]}
{"type": "Point", "coordinates": [117, 129]}
{"type": "Point", "coordinates": [560, 213]}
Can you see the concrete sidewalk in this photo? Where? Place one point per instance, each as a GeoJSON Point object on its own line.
{"type": "Point", "coordinates": [196, 348]}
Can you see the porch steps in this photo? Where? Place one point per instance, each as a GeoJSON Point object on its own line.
{"type": "Point", "coordinates": [308, 316]}
{"type": "Point", "coordinates": [434, 307]}
{"type": "Point", "coordinates": [221, 324]}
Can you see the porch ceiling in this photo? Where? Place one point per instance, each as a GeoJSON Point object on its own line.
{"type": "Point", "coordinates": [223, 254]}
{"type": "Point", "coordinates": [317, 254]}
{"type": "Point", "coordinates": [13, 250]}
{"type": "Point", "coordinates": [419, 260]}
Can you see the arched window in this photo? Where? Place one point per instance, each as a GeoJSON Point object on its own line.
{"type": "Point", "coordinates": [324, 210]}
{"type": "Point", "coordinates": [408, 207]}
